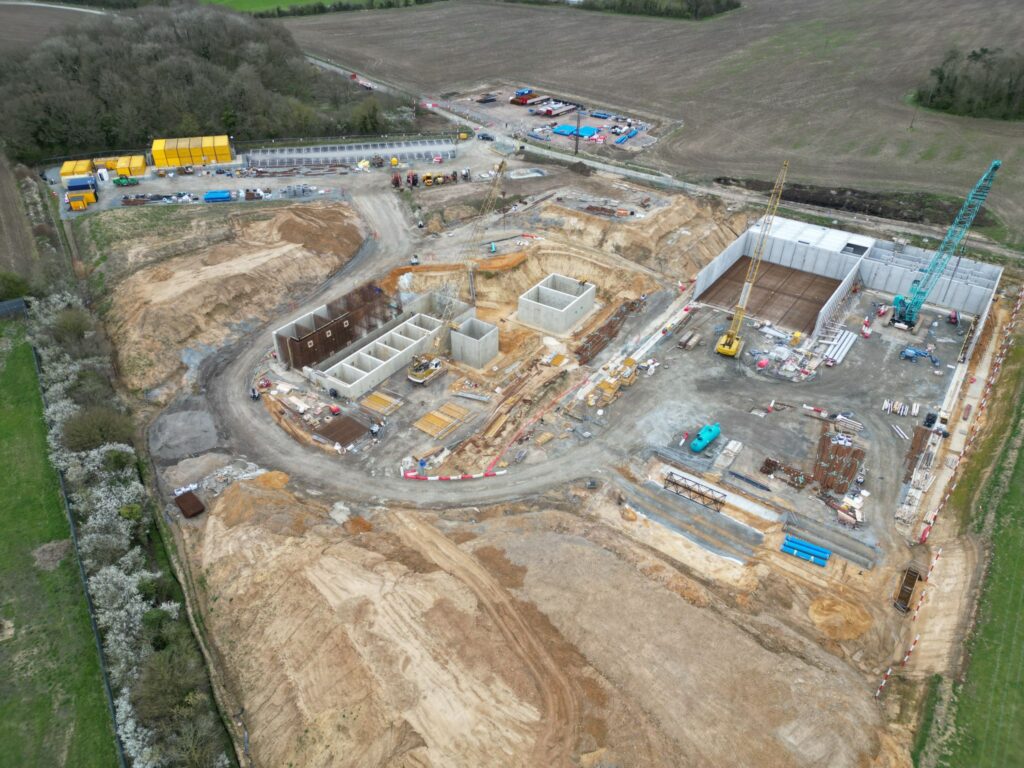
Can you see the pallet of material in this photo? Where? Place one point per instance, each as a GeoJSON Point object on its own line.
{"type": "Point", "coordinates": [381, 403]}
{"type": "Point", "coordinates": [442, 422]}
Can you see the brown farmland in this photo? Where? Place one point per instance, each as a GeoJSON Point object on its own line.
{"type": "Point", "coordinates": [823, 82]}
{"type": "Point", "coordinates": [16, 247]}
{"type": "Point", "coordinates": [22, 26]}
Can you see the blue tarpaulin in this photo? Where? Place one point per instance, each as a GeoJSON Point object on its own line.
{"type": "Point", "coordinates": [586, 132]}
{"type": "Point", "coordinates": [565, 130]}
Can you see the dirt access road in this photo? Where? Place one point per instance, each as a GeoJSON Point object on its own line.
{"type": "Point", "coordinates": [559, 700]}
{"type": "Point", "coordinates": [822, 82]}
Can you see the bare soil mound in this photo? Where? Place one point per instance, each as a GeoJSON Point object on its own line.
{"type": "Point", "coordinates": [394, 644]}
{"type": "Point", "coordinates": [192, 302]}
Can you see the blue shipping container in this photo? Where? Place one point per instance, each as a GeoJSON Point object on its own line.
{"type": "Point", "coordinates": [80, 183]}
{"type": "Point", "coordinates": [217, 196]}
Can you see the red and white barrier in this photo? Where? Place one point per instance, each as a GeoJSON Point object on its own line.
{"type": "Point", "coordinates": [412, 474]}
{"type": "Point", "coordinates": [885, 679]}
{"type": "Point", "coordinates": [910, 650]}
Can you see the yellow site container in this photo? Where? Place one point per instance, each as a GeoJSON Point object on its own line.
{"type": "Point", "coordinates": [83, 167]}
{"type": "Point", "coordinates": [67, 168]}
{"type": "Point", "coordinates": [209, 151]}
{"type": "Point", "coordinates": [138, 165]}
{"type": "Point", "coordinates": [159, 153]}
{"type": "Point", "coordinates": [171, 151]}
{"type": "Point", "coordinates": [124, 166]}
{"type": "Point", "coordinates": [78, 205]}
{"type": "Point", "coordinates": [86, 197]}
{"type": "Point", "coordinates": [223, 149]}
{"type": "Point", "coordinates": [110, 163]}
{"type": "Point", "coordinates": [195, 145]}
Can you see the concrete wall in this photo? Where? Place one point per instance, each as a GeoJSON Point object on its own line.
{"type": "Point", "coordinates": [379, 355]}
{"type": "Point", "coordinates": [832, 309]}
{"type": "Point", "coordinates": [967, 288]}
{"type": "Point", "coordinates": [475, 343]}
{"type": "Point", "coordinates": [720, 265]}
{"type": "Point", "coordinates": [879, 265]}
{"type": "Point", "coordinates": [556, 304]}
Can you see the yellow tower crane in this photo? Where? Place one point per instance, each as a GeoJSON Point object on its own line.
{"type": "Point", "coordinates": [730, 343]}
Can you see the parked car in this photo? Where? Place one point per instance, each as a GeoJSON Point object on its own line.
{"type": "Point", "coordinates": [485, 137]}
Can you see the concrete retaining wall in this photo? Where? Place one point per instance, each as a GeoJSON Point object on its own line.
{"type": "Point", "coordinates": [967, 287]}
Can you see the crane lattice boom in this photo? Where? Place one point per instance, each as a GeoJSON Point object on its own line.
{"type": "Point", "coordinates": [730, 342]}
{"type": "Point", "coordinates": [907, 308]}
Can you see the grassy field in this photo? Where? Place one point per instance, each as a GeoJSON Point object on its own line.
{"type": "Point", "coordinates": [52, 707]}
{"type": "Point", "coordinates": [820, 82]}
{"type": "Point", "coordinates": [990, 705]}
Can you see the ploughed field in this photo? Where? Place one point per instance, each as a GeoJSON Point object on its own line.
{"type": "Point", "coordinates": [23, 26]}
{"type": "Point", "coordinates": [823, 82]}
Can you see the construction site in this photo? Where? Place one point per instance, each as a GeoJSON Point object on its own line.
{"type": "Point", "coordinates": [581, 449]}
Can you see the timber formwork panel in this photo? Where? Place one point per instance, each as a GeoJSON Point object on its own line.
{"type": "Point", "coordinates": [443, 421]}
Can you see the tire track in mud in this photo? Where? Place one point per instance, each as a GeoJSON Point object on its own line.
{"type": "Point", "coordinates": [560, 716]}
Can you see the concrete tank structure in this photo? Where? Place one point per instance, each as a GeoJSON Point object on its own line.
{"type": "Point", "coordinates": [556, 304]}
{"type": "Point", "coordinates": [475, 342]}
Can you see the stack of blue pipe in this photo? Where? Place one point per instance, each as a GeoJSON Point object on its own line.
{"type": "Point", "coordinates": [812, 553]}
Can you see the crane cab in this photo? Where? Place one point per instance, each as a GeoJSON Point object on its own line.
{"type": "Point", "coordinates": [729, 345]}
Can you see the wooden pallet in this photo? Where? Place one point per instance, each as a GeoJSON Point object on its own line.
{"type": "Point", "coordinates": [381, 403]}
{"type": "Point", "coordinates": [443, 421]}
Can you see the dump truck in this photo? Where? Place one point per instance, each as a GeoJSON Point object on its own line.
{"type": "Point", "coordinates": [903, 596]}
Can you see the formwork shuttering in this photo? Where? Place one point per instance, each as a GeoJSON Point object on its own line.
{"type": "Point", "coordinates": [967, 286]}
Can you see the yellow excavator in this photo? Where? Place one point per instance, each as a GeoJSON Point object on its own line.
{"type": "Point", "coordinates": [730, 344]}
